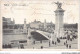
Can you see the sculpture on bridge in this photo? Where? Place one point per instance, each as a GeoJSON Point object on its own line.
{"type": "Point", "coordinates": [58, 4]}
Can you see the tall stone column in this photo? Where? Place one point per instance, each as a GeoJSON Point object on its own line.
{"type": "Point", "coordinates": [45, 24]}
{"type": "Point", "coordinates": [29, 41]}
{"type": "Point", "coordinates": [25, 28]}
{"type": "Point", "coordinates": [59, 12]}
{"type": "Point", "coordinates": [29, 33]}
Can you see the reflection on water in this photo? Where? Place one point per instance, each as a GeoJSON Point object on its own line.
{"type": "Point", "coordinates": [8, 38]}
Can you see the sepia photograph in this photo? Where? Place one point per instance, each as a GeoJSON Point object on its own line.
{"type": "Point", "coordinates": [40, 24]}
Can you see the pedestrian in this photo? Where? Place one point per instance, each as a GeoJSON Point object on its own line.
{"type": "Point", "coordinates": [10, 45]}
{"type": "Point", "coordinates": [64, 43]}
{"type": "Point", "coordinates": [69, 46]}
{"type": "Point", "coordinates": [49, 43]}
{"type": "Point", "coordinates": [55, 43]}
{"type": "Point", "coordinates": [3, 46]}
{"type": "Point", "coordinates": [22, 46]}
{"type": "Point", "coordinates": [41, 41]}
{"type": "Point", "coordinates": [70, 39]}
{"type": "Point", "coordinates": [33, 47]}
{"type": "Point", "coordinates": [34, 42]}
{"type": "Point", "coordinates": [52, 42]}
{"type": "Point", "coordinates": [41, 47]}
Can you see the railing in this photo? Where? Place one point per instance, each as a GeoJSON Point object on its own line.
{"type": "Point", "coordinates": [44, 34]}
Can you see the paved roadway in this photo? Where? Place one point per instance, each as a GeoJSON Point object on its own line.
{"type": "Point", "coordinates": [60, 45]}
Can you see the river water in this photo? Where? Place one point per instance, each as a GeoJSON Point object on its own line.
{"type": "Point", "coordinates": [8, 38]}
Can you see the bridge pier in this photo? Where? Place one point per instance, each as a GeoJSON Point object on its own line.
{"type": "Point", "coordinates": [53, 39]}
{"type": "Point", "coordinates": [29, 37]}
{"type": "Point", "coordinates": [59, 13]}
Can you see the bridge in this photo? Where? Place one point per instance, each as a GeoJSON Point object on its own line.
{"type": "Point", "coordinates": [39, 35]}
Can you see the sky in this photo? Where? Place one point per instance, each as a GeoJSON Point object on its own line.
{"type": "Point", "coordinates": [39, 10]}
